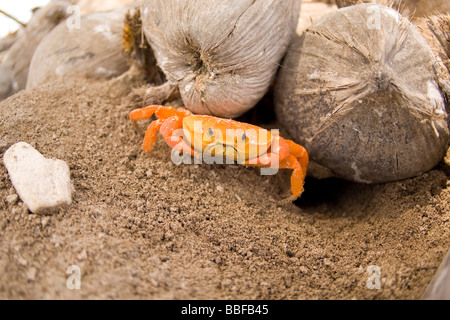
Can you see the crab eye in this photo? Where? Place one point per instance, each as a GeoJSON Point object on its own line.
{"type": "Point", "coordinates": [211, 132]}
{"type": "Point", "coordinates": [244, 136]}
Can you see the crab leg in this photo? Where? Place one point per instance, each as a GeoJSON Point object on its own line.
{"type": "Point", "coordinates": [298, 175]}
{"type": "Point", "coordinates": [159, 111]}
{"type": "Point", "coordinates": [151, 135]}
{"type": "Point", "coordinates": [300, 153]}
{"type": "Point", "coordinates": [298, 161]}
{"type": "Point", "coordinates": [169, 120]}
{"type": "Point", "coordinates": [291, 156]}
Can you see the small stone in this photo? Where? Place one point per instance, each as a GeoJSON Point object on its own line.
{"type": "Point", "coordinates": [19, 211]}
{"type": "Point", "coordinates": [220, 189]}
{"type": "Point", "coordinates": [82, 255]}
{"type": "Point", "coordinates": [44, 221]}
{"type": "Point", "coordinates": [31, 274]}
{"type": "Point", "coordinates": [12, 199]}
{"type": "Point", "coordinates": [303, 270]}
{"type": "Point", "coordinates": [42, 184]}
{"type": "Point", "coordinates": [22, 261]}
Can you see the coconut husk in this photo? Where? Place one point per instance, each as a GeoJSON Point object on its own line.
{"type": "Point", "coordinates": [8, 41]}
{"type": "Point", "coordinates": [156, 90]}
{"type": "Point", "coordinates": [135, 44]}
{"type": "Point", "coordinates": [15, 64]}
{"type": "Point", "coordinates": [439, 287]}
{"type": "Point", "coordinates": [411, 8]}
{"type": "Point", "coordinates": [223, 55]}
{"type": "Point", "coordinates": [364, 99]}
{"type": "Point", "coordinates": [93, 50]}
{"type": "Point", "coordinates": [436, 30]}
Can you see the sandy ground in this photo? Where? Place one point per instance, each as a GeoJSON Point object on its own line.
{"type": "Point", "coordinates": [141, 227]}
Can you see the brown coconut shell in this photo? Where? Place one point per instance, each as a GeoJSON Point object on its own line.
{"type": "Point", "coordinates": [364, 100]}
{"type": "Point", "coordinates": [94, 50]}
{"type": "Point", "coordinates": [221, 54]}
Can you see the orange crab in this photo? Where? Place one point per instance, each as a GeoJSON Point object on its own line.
{"type": "Point", "coordinates": [246, 144]}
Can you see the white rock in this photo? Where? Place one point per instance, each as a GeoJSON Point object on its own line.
{"type": "Point", "coordinates": [42, 184]}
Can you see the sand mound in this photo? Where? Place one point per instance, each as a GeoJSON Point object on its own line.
{"type": "Point", "coordinates": [141, 227]}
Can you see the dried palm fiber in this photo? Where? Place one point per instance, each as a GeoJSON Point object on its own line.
{"type": "Point", "coordinates": [15, 64]}
{"type": "Point", "coordinates": [154, 89]}
{"type": "Point", "coordinates": [436, 31]}
{"type": "Point", "coordinates": [359, 91]}
{"type": "Point", "coordinates": [223, 54]}
{"type": "Point", "coordinates": [93, 50]}
{"type": "Point", "coordinates": [138, 49]}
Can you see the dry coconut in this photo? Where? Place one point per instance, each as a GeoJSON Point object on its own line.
{"type": "Point", "coordinates": [222, 55]}
{"type": "Point", "coordinates": [91, 48]}
{"type": "Point", "coordinates": [16, 61]}
{"type": "Point", "coordinates": [359, 91]}
{"type": "Point", "coordinates": [412, 8]}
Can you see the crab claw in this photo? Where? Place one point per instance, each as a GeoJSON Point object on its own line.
{"type": "Point", "coordinates": [297, 159]}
